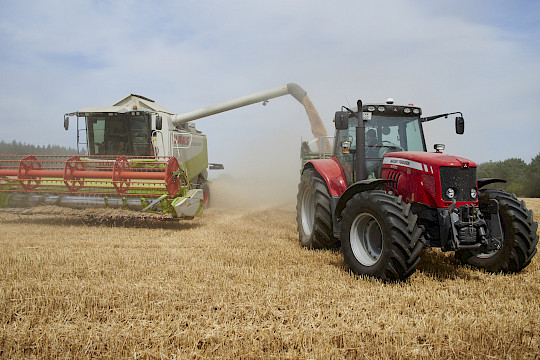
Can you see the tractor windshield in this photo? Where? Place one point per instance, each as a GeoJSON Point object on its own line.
{"type": "Point", "coordinates": [118, 134]}
{"type": "Point", "coordinates": [384, 134]}
{"type": "Point", "coordinates": [393, 133]}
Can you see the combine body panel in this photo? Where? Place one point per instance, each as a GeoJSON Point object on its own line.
{"type": "Point", "coordinates": [382, 198]}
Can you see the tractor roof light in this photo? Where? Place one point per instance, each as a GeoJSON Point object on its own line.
{"type": "Point", "coordinates": [371, 108]}
{"type": "Point", "coordinates": [407, 111]}
{"type": "Point", "coordinates": [438, 147]}
{"type": "Point", "coordinates": [381, 108]}
{"type": "Point", "coordinates": [416, 111]}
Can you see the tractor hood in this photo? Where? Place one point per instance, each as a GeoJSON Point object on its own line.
{"type": "Point", "coordinates": [416, 159]}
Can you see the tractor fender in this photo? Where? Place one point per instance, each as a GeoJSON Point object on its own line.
{"type": "Point", "coordinates": [358, 187]}
{"type": "Point", "coordinates": [486, 181]}
{"type": "Point", "coordinates": [332, 174]}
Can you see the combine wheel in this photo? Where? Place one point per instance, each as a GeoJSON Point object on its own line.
{"type": "Point", "coordinates": [313, 214]}
{"type": "Point", "coordinates": [519, 232]}
{"type": "Point", "coordinates": [380, 236]}
{"type": "Point", "coordinates": [206, 194]}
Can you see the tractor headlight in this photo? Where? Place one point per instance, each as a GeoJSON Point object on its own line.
{"type": "Point", "coordinates": [473, 193]}
{"type": "Point", "coordinates": [371, 108]}
{"type": "Point", "coordinates": [416, 111]}
{"type": "Point", "coordinates": [450, 193]}
{"type": "Point", "coordinates": [407, 111]}
{"type": "Point", "coordinates": [381, 108]}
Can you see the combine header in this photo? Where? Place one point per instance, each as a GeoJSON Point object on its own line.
{"type": "Point", "coordinates": [134, 154]}
{"type": "Point", "coordinates": [135, 183]}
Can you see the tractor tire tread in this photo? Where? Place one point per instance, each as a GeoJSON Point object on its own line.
{"type": "Point", "coordinates": [400, 259]}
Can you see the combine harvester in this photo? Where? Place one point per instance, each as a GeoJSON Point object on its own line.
{"type": "Point", "coordinates": [139, 156]}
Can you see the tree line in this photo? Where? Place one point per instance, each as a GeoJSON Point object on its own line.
{"type": "Point", "coordinates": [522, 179]}
{"type": "Point", "coordinates": [19, 148]}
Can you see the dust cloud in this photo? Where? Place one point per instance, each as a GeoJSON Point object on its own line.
{"type": "Point", "coordinates": [266, 176]}
{"type": "Point", "coordinates": [253, 192]}
{"type": "Point", "coordinates": [268, 172]}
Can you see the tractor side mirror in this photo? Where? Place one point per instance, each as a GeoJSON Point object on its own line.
{"type": "Point", "coordinates": [159, 122]}
{"type": "Point", "coordinates": [66, 122]}
{"type": "Point", "coordinates": [460, 125]}
{"type": "Point", "coordinates": [342, 120]}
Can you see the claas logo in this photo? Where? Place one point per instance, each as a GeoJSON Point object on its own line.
{"type": "Point", "coordinates": [182, 140]}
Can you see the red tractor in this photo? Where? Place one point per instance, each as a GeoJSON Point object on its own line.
{"type": "Point", "coordinates": [382, 198]}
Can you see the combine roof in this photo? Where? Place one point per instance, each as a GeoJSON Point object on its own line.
{"type": "Point", "coordinates": [127, 104]}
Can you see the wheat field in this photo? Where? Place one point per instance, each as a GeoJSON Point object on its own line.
{"type": "Point", "coordinates": [236, 284]}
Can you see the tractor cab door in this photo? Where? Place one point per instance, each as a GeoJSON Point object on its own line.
{"type": "Point", "coordinates": [345, 149]}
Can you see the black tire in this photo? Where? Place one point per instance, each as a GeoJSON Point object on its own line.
{"type": "Point", "coordinates": [380, 236]}
{"type": "Point", "coordinates": [206, 194]}
{"type": "Point", "coordinates": [519, 231]}
{"type": "Point", "coordinates": [313, 213]}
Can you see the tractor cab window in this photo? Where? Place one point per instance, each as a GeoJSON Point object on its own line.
{"type": "Point", "coordinates": [116, 134]}
{"type": "Point", "coordinates": [384, 134]}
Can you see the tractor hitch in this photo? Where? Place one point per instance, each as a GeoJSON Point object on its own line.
{"type": "Point", "coordinates": [465, 228]}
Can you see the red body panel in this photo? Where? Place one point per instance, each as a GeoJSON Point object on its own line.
{"type": "Point", "coordinates": [418, 177]}
{"type": "Point", "coordinates": [332, 173]}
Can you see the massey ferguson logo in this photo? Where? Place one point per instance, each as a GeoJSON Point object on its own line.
{"type": "Point", "coordinates": [400, 162]}
{"type": "Point", "coordinates": [465, 165]}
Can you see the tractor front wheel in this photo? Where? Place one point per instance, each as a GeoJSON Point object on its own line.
{"type": "Point", "coordinates": [313, 213]}
{"type": "Point", "coordinates": [380, 236]}
{"type": "Point", "coordinates": [519, 232]}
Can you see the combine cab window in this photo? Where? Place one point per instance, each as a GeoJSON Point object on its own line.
{"type": "Point", "coordinates": [115, 134]}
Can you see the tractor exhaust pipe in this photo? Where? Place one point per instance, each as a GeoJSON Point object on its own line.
{"type": "Point", "coordinates": [361, 171]}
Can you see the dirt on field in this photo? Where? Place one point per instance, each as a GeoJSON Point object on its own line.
{"type": "Point", "coordinates": [236, 284]}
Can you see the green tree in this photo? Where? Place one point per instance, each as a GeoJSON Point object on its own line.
{"type": "Point", "coordinates": [532, 178]}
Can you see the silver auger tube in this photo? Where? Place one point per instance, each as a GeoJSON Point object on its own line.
{"type": "Point", "coordinates": [317, 127]}
{"type": "Point", "coordinates": [293, 89]}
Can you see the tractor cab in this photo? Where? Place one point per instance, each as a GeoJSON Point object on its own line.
{"type": "Point", "coordinates": [387, 128]}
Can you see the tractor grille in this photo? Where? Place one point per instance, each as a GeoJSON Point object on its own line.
{"type": "Point", "coordinates": [394, 175]}
{"type": "Point", "coordinates": [462, 180]}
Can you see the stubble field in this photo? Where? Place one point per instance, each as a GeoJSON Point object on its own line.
{"type": "Point", "coordinates": [236, 284]}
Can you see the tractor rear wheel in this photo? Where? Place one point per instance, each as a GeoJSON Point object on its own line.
{"type": "Point", "coordinates": [380, 236]}
{"type": "Point", "coordinates": [519, 232]}
{"type": "Point", "coordinates": [313, 214]}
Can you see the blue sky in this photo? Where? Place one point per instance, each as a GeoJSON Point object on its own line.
{"type": "Point", "coordinates": [478, 57]}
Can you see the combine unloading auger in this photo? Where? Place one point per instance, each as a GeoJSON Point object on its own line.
{"type": "Point", "coordinates": [139, 156]}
